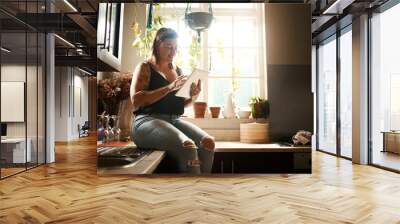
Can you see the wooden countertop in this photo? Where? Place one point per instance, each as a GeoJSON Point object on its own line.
{"type": "Point", "coordinates": [246, 147]}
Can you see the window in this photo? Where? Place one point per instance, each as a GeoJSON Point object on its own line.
{"type": "Point", "coordinates": [22, 74]}
{"type": "Point", "coordinates": [346, 75]}
{"type": "Point", "coordinates": [335, 94]}
{"type": "Point", "coordinates": [385, 84]}
{"type": "Point", "coordinates": [109, 27]}
{"type": "Point", "coordinates": [327, 95]}
{"type": "Point", "coordinates": [232, 49]}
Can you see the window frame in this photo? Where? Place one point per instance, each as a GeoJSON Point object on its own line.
{"type": "Point", "coordinates": [260, 67]}
{"type": "Point", "coordinates": [334, 37]}
{"type": "Point", "coordinates": [371, 15]}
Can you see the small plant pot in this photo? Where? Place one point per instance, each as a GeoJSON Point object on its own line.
{"type": "Point", "coordinates": [199, 109]}
{"type": "Point", "coordinates": [215, 111]}
{"type": "Point", "coordinates": [258, 111]}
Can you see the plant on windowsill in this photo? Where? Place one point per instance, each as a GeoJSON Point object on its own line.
{"type": "Point", "coordinates": [194, 52]}
{"type": "Point", "coordinates": [259, 107]}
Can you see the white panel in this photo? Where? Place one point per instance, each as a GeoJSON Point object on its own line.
{"type": "Point", "coordinates": [12, 101]}
{"type": "Point", "coordinates": [77, 102]}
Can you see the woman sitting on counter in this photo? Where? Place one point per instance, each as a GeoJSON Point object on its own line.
{"type": "Point", "coordinates": [158, 123]}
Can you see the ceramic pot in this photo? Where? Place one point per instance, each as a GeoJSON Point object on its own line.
{"type": "Point", "coordinates": [215, 111]}
{"type": "Point", "coordinates": [199, 109]}
{"type": "Point", "coordinates": [244, 114]}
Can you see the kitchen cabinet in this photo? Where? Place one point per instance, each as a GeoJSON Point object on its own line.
{"type": "Point", "coordinates": [236, 158]}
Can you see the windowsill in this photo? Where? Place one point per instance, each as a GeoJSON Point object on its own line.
{"type": "Point", "coordinates": [221, 123]}
{"type": "Point", "coordinates": [223, 129]}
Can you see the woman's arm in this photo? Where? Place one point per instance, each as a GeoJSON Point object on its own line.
{"type": "Point", "coordinates": [191, 100]}
{"type": "Point", "coordinates": [140, 96]}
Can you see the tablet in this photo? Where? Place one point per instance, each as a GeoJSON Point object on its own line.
{"type": "Point", "coordinates": [196, 75]}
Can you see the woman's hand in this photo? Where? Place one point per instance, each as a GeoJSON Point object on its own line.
{"type": "Point", "coordinates": [177, 83]}
{"type": "Point", "coordinates": [194, 93]}
{"type": "Point", "coordinates": [195, 89]}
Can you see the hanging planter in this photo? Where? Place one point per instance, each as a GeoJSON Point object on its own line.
{"type": "Point", "coordinates": [198, 21]}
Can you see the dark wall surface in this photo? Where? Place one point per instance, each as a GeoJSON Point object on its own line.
{"type": "Point", "coordinates": [288, 28]}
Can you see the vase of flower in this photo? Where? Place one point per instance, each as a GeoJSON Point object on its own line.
{"type": "Point", "coordinates": [114, 92]}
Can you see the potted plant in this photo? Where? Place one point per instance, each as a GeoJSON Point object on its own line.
{"type": "Point", "coordinates": [259, 107]}
{"type": "Point", "coordinates": [215, 111]}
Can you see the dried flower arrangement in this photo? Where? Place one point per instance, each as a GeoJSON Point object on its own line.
{"type": "Point", "coordinates": [113, 90]}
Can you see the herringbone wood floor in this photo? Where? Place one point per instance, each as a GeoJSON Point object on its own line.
{"type": "Point", "coordinates": [69, 191]}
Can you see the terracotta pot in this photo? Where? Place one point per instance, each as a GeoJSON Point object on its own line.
{"type": "Point", "coordinates": [215, 111]}
{"type": "Point", "coordinates": [199, 109]}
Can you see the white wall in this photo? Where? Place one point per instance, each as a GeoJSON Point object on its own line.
{"type": "Point", "coordinates": [61, 104]}
{"type": "Point", "coordinates": [12, 73]}
{"type": "Point", "coordinates": [67, 115]}
{"type": "Point", "coordinates": [360, 90]}
{"type": "Point", "coordinates": [314, 91]}
{"type": "Point", "coordinates": [34, 124]}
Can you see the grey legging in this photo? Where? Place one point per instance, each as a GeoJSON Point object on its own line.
{"type": "Point", "coordinates": [169, 133]}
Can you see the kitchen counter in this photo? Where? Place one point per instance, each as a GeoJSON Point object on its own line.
{"type": "Point", "coordinates": [230, 157]}
{"type": "Point", "coordinates": [229, 146]}
{"type": "Point", "coordinates": [145, 165]}
{"type": "Point", "coordinates": [113, 153]}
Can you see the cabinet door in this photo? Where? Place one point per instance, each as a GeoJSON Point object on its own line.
{"type": "Point", "coordinates": [250, 162]}
{"type": "Point", "coordinates": [222, 163]}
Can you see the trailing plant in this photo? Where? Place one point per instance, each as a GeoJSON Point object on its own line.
{"type": "Point", "coordinates": [235, 81]}
{"type": "Point", "coordinates": [194, 52]}
{"type": "Point", "coordinates": [144, 39]}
